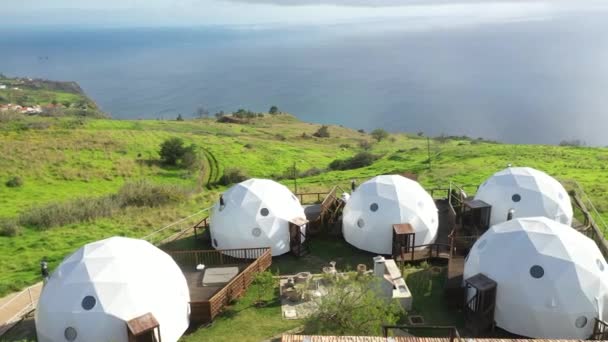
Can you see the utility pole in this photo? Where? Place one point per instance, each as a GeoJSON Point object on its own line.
{"type": "Point", "coordinates": [295, 178]}
{"type": "Point", "coordinates": [428, 148]}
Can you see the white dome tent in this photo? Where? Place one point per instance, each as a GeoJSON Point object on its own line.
{"type": "Point", "coordinates": [378, 204]}
{"type": "Point", "coordinates": [256, 213]}
{"type": "Point", "coordinates": [552, 281]}
{"type": "Point", "coordinates": [528, 192]}
{"type": "Point", "coordinates": [96, 290]}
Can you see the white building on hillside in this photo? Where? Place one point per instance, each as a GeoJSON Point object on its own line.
{"type": "Point", "coordinates": [552, 281]}
{"type": "Point", "coordinates": [96, 290]}
{"type": "Point", "coordinates": [528, 192]}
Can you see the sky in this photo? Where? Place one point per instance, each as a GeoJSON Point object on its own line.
{"type": "Point", "coordinates": [252, 13]}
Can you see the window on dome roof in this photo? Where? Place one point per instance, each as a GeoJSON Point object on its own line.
{"type": "Point", "coordinates": [264, 212]}
{"type": "Point", "coordinates": [600, 264]}
{"type": "Point", "coordinates": [516, 198]}
{"type": "Point", "coordinates": [482, 244]}
{"type": "Point", "coordinates": [537, 272]}
{"type": "Point", "coordinates": [581, 322]}
{"type": "Point", "coordinates": [70, 334]}
{"type": "Point", "coordinates": [215, 242]}
{"type": "Point", "coordinates": [361, 223]}
{"type": "Point", "coordinates": [373, 207]}
{"type": "Point", "coordinates": [256, 232]}
{"type": "Point", "coordinates": [88, 302]}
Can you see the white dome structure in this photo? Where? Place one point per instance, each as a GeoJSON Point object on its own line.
{"type": "Point", "coordinates": [381, 202]}
{"type": "Point", "coordinates": [528, 192]}
{"type": "Point", "coordinates": [96, 290]}
{"type": "Point", "coordinates": [552, 281]}
{"type": "Point", "coordinates": [256, 213]}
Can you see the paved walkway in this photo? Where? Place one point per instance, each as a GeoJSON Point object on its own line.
{"type": "Point", "coordinates": [15, 305]}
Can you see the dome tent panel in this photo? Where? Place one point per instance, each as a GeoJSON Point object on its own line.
{"type": "Point", "coordinates": [85, 300]}
{"type": "Point", "coordinates": [529, 192]}
{"type": "Point", "coordinates": [547, 274]}
{"type": "Point", "coordinates": [378, 204]}
{"type": "Point", "coordinates": [256, 214]}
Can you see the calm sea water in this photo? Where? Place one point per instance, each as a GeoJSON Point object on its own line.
{"type": "Point", "coordinates": [526, 82]}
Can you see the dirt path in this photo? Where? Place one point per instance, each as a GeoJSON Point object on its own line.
{"type": "Point", "coordinates": [13, 306]}
{"type": "Point", "coordinates": [213, 169]}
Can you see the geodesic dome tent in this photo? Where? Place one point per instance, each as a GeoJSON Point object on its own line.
{"type": "Point", "coordinates": [256, 213]}
{"type": "Point", "coordinates": [552, 280]}
{"type": "Point", "coordinates": [529, 192]}
{"type": "Point", "coordinates": [378, 204]}
{"type": "Point", "coordinates": [96, 290]}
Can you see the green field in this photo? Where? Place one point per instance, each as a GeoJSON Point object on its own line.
{"type": "Point", "coordinates": [74, 157]}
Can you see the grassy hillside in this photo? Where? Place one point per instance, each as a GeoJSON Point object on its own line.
{"type": "Point", "coordinates": [59, 159]}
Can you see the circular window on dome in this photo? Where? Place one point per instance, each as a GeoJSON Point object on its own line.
{"type": "Point", "coordinates": [373, 207]}
{"type": "Point", "coordinates": [581, 322]}
{"type": "Point", "coordinates": [537, 272]}
{"type": "Point", "coordinates": [560, 196]}
{"type": "Point", "coordinates": [360, 223]}
{"type": "Point", "coordinates": [264, 212]}
{"type": "Point", "coordinates": [516, 198]}
{"type": "Point", "coordinates": [256, 232]}
{"type": "Point", "coordinates": [600, 264]}
{"type": "Point", "coordinates": [88, 302]}
{"type": "Point", "coordinates": [482, 244]}
{"type": "Point", "coordinates": [70, 334]}
{"type": "Point", "coordinates": [215, 242]}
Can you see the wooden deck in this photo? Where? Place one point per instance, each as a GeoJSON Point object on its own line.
{"type": "Point", "coordinates": [302, 338]}
{"type": "Point", "coordinates": [198, 292]}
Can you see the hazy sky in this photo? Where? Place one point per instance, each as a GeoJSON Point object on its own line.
{"type": "Point", "coordinates": [420, 13]}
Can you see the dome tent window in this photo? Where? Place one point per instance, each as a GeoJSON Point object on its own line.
{"type": "Point", "coordinates": [516, 198]}
{"type": "Point", "coordinates": [264, 212]}
{"type": "Point", "coordinates": [600, 264]}
{"type": "Point", "coordinates": [88, 302]}
{"type": "Point", "coordinates": [70, 334]}
{"type": "Point", "coordinates": [373, 207]}
{"type": "Point", "coordinates": [482, 244]}
{"type": "Point", "coordinates": [256, 232]}
{"type": "Point", "coordinates": [581, 322]}
{"type": "Point", "coordinates": [361, 223]}
{"type": "Point", "coordinates": [537, 272]}
{"type": "Point", "coordinates": [214, 242]}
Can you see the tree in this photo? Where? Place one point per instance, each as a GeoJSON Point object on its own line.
{"type": "Point", "coordinates": [172, 150]}
{"type": "Point", "coordinates": [179, 118]}
{"type": "Point", "coordinates": [322, 132]}
{"type": "Point", "coordinates": [274, 110]}
{"type": "Point", "coordinates": [379, 134]}
{"type": "Point", "coordinates": [264, 281]}
{"type": "Point", "coordinates": [202, 112]}
{"type": "Point", "coordinates": [352, 306]}
{"type": "Point", "coordinates": [219, 114]}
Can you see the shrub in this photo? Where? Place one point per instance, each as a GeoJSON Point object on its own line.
{"type": "Point", "coordinates": [280, 137]}
{"type": "Point", "coordinates": [138, 194]}
{"type": "Point", "coordinates": [345, 146]}
{"type": "Point", "coordinates": [322, 132]}
{"type": "Point", "coordinates": [233, 175]}
{"type": "Point", "coordinates": [362, 131]}
{"type": "Point", "coordinates": [314, 171]}
{"type": "Point", "coordinates": [248, 146]}
{"type": "Point", "coordinates": [179, 118]}
{"type": "Point", "coordinates": [9, 228]}
{"type": "Point", "coordinates": [365, 145]}
{"type": "Point", "coordinates": [361, 159]}
{"type": "Point", "coordinates": [379, 134]}
{"type": "Point", "coordinates": [146, 194]}
{"type": "Point", "coordinates": [572, 143]}
{"type": "Point", "coordinates": [174, 152]}
{"type": "Point", "coordinates": [14, 182]}
{"type": "Point", "coordinates": [274, 110]}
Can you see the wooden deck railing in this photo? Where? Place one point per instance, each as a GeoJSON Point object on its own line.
{"type": "Point", "coordinates": [206, 311]}
{"type": "Point", "coordinates": [600, 331]}
{"type": "Point", "coordinates": [451, 332]}
{"type": "Point", "coordinates": [425, 252]}
{"type": "Point", "coordinates": [217, 257]}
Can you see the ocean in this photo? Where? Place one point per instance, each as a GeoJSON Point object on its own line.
{"type": "Point", "coordinates": [533, 81]}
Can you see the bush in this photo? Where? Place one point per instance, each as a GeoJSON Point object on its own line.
{"type": "Point", "coordinates": [280, 137]}
{"type": "Point", "coordinates": [174, 152]}
{"type": "Point", "coordinates": [146, 194]}
{"type": "Point", "coordinates": [233, 175]}
{"type": "Point", "coordinates": [322, 132]}
{"type": "Point", "coordinates": [138, 194]}
{"type": "Point", "coordinates": [274, 110]}
{"type": "Point", "coordinates": [314, 171]}
{"type": "Point", "coordinates": [179, 118]}
{"type": "Point", "coordinates": [365, 145]}
{"type": "Point", "coordinates": [362, 131]}
{"type": "Point", "coordinates": [14, 182]}
{"type": "Point", "coordinates": [9, 228]}
{"type": "Point", "coordinates": [572, 143]}
{"type": "Point", "coordinates": [360, 160]}
{"type": "Point", "coordinates": [379, 134]}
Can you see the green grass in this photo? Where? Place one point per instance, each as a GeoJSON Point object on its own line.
{"type": "Point", "coordinates": [95, 157]}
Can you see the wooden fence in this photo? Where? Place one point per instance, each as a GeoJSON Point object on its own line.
{"type": "Point", "coordinates": [206, 311]}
